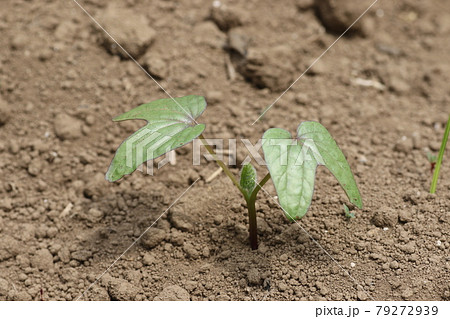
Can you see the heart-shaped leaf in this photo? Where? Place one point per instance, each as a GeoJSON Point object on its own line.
{"type": "Point", "coordinates": [292, 165]}
{"type": "Point", "coordinates": [292, 175]}
{"type": "Point", "coordinates": [170, 124]}
{"type": "Point", "coordinates": [332, 157]}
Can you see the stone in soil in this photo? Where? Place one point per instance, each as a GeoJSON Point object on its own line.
{"type": "Point", "coordinates": [225, 17]}
{"type": "Point", "coordinates": [180, 219]}
{"type": "Point", "coordinates": [208, 34]}
{"type": "Point", "coordinates": [67, 127]}
{"type": "Point", "coordinates": [173, 293]}
{"type": "Point", "coordinates": [214, 97]}
{"type": "Point", "coordinates": [253, 277]}
{"type": "Point", "coordinates": [153, 237]}
{"type": "Point", "coordinates": [385, 217]}
{"type": "Point", "coordinates": [407, 293]}
{"type": "Point", "coordinates": [238, 43]}
{"type": "Point", "coordinates": [129, 28]}
{"type": "Point", "coordinates": [155, 65]}
{"type": "Point", "coordinates": [176, 237]}
{"type": "Point", "coordinates": [405, 216]}
{"type": "Point", "coordinates": [362, 295]}
{"type": "Point", "coordinates": [404, 145]}
{"type": "Point", "coordinates": [445, 217]}
{"type": "Point", "coordinates": [398, 85]}
{"type": "Point", "coordinates": [66, 30]}
{"type": "Point", "coordinates": [408, 248]}
{"type": "Point", "coordinates": [337, 15]}
{"type": "Point", "coordinates": [64, 255]}
{"type": "Point", "coordinates": [9, 247]}
{"type": "Point", "coordinates": [19, 41]}
{"type": "Point", "coordinates": [42, 259]}
{"type": "Point", "coordinates": [19, 296]}
{"type": "Point", "coordinates": [95, 186]}
{"type": "Point", "coordinates": [81, 255]}
{"type": "Point", "coordinates": [5, 112]}
{"type": "Point", "coordinates": [271, 68]}
{"type": "Point", "coordinates": [148, 260]}
{"type": "Point", "coordinates": [35, 167]}
{"type": "Point", "coordinates": [304, 5]}
{"type": "Point", "coordinates": [6, 204]}
{"type": "Point", "coordinates": [4, 287]}
{"type": "Point", "coordinates": [121, 290]}
{"type": "Point", "coordinates": [93, 215]}
{"type": "Point", "coordinates": [191, 251]}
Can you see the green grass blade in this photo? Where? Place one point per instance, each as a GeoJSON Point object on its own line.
{"type": "Point", "coordinates": [437, 168]}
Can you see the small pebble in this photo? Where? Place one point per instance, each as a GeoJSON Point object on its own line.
{"type": "Point", "coordinates": [253, 276]}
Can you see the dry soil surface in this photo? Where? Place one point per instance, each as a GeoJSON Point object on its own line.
{"type": "Point", "coordinates": [381, 90]}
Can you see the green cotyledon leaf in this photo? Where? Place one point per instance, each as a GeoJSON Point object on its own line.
{"type": "Point", "coordinates": [248, 179]}
{"type": "Point", "coordinates": [170, 124]}
{"type": "Point", "coordinates": [292, 164]}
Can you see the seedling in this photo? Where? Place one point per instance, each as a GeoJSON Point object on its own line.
{"type": "Point", "coordinates": [348, 214]}
{"type": "Point", "coordinates": [437, 167]}
{"type": "Point", "coordinates": [292, 162]}
{"type": "Point", "coordinates": [432, 160]}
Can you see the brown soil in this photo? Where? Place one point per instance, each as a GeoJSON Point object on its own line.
{"type": "Point", "coordinates": [62, 80]}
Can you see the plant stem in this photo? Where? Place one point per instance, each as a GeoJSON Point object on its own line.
{"type": "Point", "coordinates": [252, 224]}
{"type": "Point", "coordinates": [258, 186]}
{"type": "Point", "coordinates": [251, 200]}
{"type": "Point", "coordinates": [220, 163]}
{"type": "Point", "coordinates": [440, 157]}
